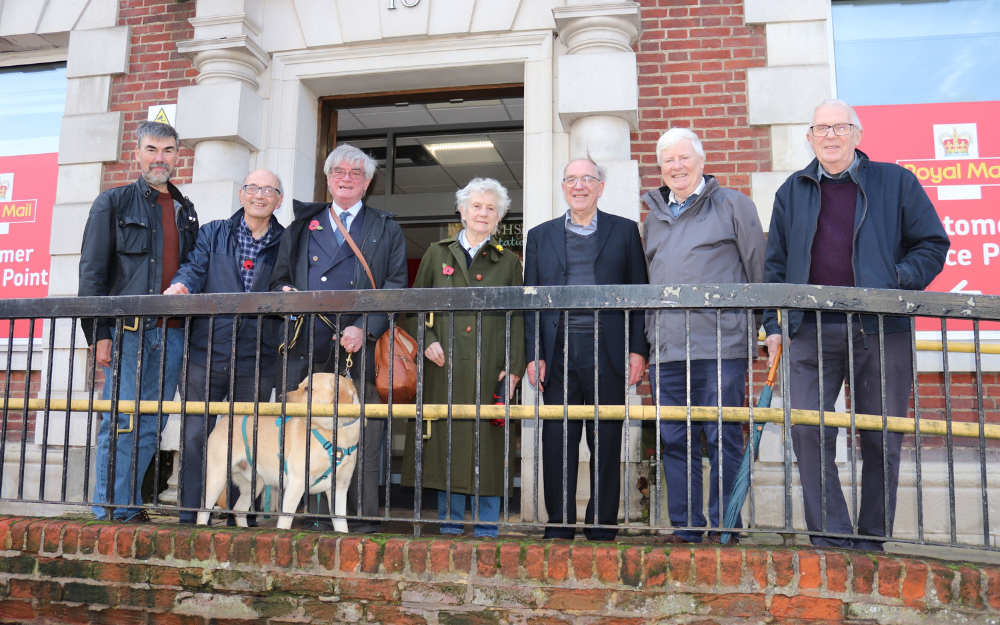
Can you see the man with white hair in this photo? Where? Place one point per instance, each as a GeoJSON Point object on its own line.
{"type": "Point", "coordinates": [314, 256]}
{"type": "Point", "coordinates": [847, 221]}
{"type": "Point", "coordinates": [698, 233]}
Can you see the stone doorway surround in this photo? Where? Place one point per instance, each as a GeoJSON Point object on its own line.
{"type": "Point", "coordinates": [264, 65]}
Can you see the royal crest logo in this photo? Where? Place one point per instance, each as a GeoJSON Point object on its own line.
{"type": "Point", "coordinates": [6, 187]}
{"type": "Point", "coordinates": [956, 144]}
{"type": "Point", "coordinates": [955, 141]}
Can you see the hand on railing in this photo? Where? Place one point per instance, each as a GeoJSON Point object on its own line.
{"type": "Point", "coordinates": [177, 288]}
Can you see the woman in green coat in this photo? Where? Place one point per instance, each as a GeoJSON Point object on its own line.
{"type": "Point", "coordinates": [471, 258]}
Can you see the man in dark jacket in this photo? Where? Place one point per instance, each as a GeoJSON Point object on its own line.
{"type": "Point", "coordinates": [135, 239]}
{"type": "Point", "coordinates": [234, 255]}
{"type": "Point", "coordinates": [847, 221]}
{"type": "Point", "coordinates": [585, 246]}
{"type": "Point", "coordinates": [314, 256]}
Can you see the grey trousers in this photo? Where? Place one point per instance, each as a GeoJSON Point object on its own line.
{"type": "Point", "coordinates": [876, 500]}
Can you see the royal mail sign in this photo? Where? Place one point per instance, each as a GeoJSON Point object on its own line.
{"type": "Point", "coordinates": [954, 151]}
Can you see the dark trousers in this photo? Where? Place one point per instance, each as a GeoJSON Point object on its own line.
{"type": "Point", "coordinates": [704, 392]}
{"type": "Point", "coordinates": [804, 388]}
{"type": "Point", "coordinates": [365, 478]}
{"type": "Point", "coordinates": [192, 476]}
{"type": "Point", "coordinates": [605, 471]}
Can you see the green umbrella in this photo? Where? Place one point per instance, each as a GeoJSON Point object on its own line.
{"type": "Point", "coordinates": [741, 485]}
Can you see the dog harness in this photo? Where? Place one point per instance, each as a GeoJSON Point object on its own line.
{"type": "Point", "coordinates": [327, 445]}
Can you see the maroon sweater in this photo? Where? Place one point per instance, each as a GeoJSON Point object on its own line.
{"type": "Point", "coordinates": [833, 243]}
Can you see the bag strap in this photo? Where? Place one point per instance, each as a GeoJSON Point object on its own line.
{"type": "Point", "coordinates": [347, 237]}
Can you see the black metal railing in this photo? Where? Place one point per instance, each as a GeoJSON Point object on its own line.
{"type": "Point", "coordinates": [43, 320]}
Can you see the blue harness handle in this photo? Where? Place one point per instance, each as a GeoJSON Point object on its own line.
{"type": "Point", "coordinates": [327, 445]}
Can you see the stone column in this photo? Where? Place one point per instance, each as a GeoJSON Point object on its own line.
{"type": "Point", "coordinates": [782, 95]}
{"type": "Point", "coordinates": [90, 136]}
{"type": "Point", "coordinates": [221, 116]}
{"type": "Point", "coordinates": [598, 94]}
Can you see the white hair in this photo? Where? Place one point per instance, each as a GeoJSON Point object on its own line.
{"type": "Point", "coordinates": [483, 186]}
{"type": "Point", "coordinates": [674, 136]}
{"type": "Point", "coordinates": [347, 153]}
{"type": "Point", "coordinates": [850, 110]}
{"type": "Point", "coordinates": [597, 168]}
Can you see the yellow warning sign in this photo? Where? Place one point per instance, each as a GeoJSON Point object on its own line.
{"type": "Point", "coordinates": [162, 113]}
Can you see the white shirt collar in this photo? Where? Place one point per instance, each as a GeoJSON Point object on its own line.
{"type": "Point", "coordinates": [352, 211]}
{"type": "Point", "coordinates": [701, 187]}
{"type": "Point", "coordinates": [464, 242]}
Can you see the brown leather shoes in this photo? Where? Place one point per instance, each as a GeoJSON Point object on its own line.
{"type": "Point", "coordinates": [141, 517]}
{"type": "Point", "coordinates": [674, 539]}
{"type": "Point", "coordinates": [717, 539]}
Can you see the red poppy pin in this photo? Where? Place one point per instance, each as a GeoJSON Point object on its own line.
{"type": "Point", "coordinates": [446, 270]}
{"type": "Point", "coordinates": [247, 264]}
{"type": "Point", "coordinates": [314, 225]}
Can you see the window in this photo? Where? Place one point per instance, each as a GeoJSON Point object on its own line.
{"type": "Point", "coordinates": [917, 52]}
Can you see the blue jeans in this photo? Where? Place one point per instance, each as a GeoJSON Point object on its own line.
{"type": "Point", "coordinates": [145, 425]}
{"type": "Point", "coordinates": [704, 392]}
{"type": "Point", "coordinates": [489, 510]}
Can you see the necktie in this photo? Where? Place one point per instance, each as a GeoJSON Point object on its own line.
{"type": "Point", "coordinates": [344, 216]}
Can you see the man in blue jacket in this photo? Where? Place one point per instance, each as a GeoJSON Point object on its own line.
{"type": "Point", "coordinates": [847, 221]}
{"type": "Point", "coordinates": [234, 255]}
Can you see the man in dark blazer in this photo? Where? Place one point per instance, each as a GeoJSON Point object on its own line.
{"type": "Point", "coordinates": [586, 246]}
{"type": "Point", "coordinates": [314, 257]}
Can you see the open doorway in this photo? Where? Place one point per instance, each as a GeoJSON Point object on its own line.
{"type": "Point", "coordinates": [429, 145]}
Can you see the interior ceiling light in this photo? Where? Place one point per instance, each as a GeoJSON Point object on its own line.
{"type": "Point", "coordinates": [464, 145]}
{"type": "Point", "coordinates": [464, 152]}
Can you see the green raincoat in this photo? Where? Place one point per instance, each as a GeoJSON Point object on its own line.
{"type": "Point", "coordinates": [492, 267]}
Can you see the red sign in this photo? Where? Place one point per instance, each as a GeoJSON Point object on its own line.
{"type": "Point", "coordinates": [954, 150]}
{"type": "Point", "coordinates": [27, 193]}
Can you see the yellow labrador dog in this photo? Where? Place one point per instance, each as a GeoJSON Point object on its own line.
{"type": "Point", "coordinates": [322, 463]}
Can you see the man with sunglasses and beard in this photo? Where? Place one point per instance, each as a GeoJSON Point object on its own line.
{"type": "Point", "coordinates": [136, 238]}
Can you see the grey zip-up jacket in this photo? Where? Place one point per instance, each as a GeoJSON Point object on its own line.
{"type": "Point", "coordinates": [717, 240]}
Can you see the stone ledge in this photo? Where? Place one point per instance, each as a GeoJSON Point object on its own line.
{"type": "Point", "coordinates": [155, 571]}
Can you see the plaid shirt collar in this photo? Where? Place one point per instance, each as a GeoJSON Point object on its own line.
{"type": "Point", "coordinates": [249, 249]}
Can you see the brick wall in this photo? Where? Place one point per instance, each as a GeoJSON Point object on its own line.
{"type": "Point", "coordinates": [155, 73]}
{"type": "Point", "coordinates": [693, 58]}
{"type": "Point", "coordinates": [76, 572]}
{"type": "Point", "coordinates": [14, 424]}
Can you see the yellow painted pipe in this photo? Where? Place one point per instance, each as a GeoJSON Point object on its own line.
{"type": "Point", "coordinates": [936, 346]}
{"type": "Point", "coordinates": [431, 412]}
{"type": "Point", "coordinates": [953, 346]}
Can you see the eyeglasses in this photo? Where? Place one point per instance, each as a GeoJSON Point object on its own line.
{"type": "Point", "coordinates": [356, 174]}
{"type": "Point", "coordinates": [841, 130]}
{"type": "Point", "coordinates": [588, 181]}
{"type": "Point", "coordinates": [253, 189]}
